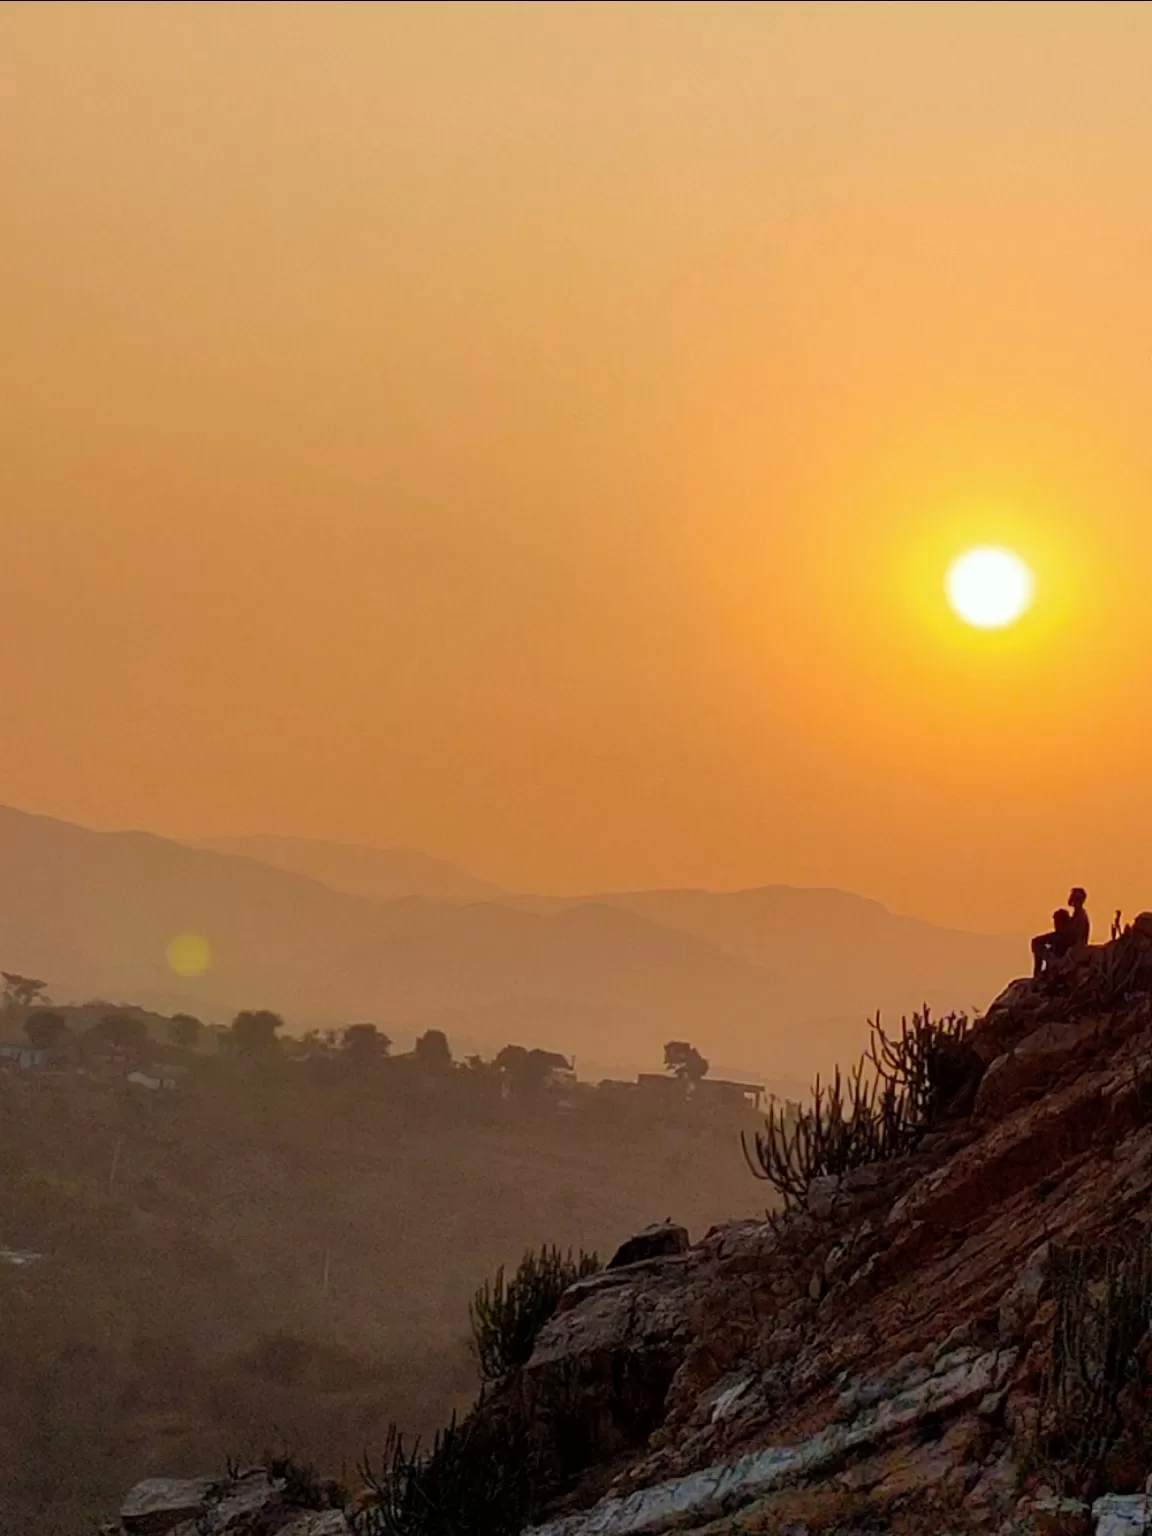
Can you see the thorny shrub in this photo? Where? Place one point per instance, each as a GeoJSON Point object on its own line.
{"type": "Point", "coordinates": [507, 1315]}
{"type": "Point", "coordinates": [894, 1094]}
{"type": "Point", "coordinates": [472, 1482]}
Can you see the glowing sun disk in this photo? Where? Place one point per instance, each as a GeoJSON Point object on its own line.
{"type": "Point", "coordinates": [189, 954]}
{"type": "Point", "coordinates": [989, 587]}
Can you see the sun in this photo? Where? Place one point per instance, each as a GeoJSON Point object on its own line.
{"type": "Point", "coordinates": [189, 954]}
{"type": "Point", "coordinates": [989, 587]}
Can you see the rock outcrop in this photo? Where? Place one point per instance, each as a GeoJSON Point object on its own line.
{"type": "Point", "coordinates": [655, 1242]}
{"type": "Point", "coordinates": [261, 1501]}
{"type": "Point", "coordinates": [879, 1350]}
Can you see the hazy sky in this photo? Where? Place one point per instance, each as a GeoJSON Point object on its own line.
{"type": "Point", "coordinates": [536, 433]}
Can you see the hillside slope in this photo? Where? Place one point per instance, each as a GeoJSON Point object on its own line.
{"type": "Point", "coordinates": [385, 874]}
{"type": "Point", "coordinates": [857, 948]}
{"type": "Point", "coordinates": [835, 947]}
{"type": "Point", "coordinates": [929, 1344]}
{"type": "Point", "coordinates": [855, 945]}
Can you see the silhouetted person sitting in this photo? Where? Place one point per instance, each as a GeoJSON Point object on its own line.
{"type": "Point", "coordinates": [1070, 932]}
{"type": "Point", "coordinates": [1047, 947]}
{"type": "Point", "coordinates": [1079, 926]}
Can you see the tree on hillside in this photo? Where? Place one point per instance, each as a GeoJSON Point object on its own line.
{"type": "Point", "coordinates": [684, 1061]}
{"type": "Point", "coordinates": [364, 1042]}
{"type": "Point", "coordinates": [46, 1030]}
{"type": "Point", "coordinates": [433, 1051]}
{"type": "Point", "coordinates": [255, 1029]}
{"type": "Point", "coordinates": [122, 1031]}
{"type": "Point", "coordinates": [184, 1030]}
{"type": "Point", "coordinates": [528, 1071]}
{"type": "Point", "coordinates": [20, 992]}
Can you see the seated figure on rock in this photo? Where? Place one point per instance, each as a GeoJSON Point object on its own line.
{"type": "Point", "coordinates": [1068, 937]}
{"type": "Point", "coordinates": [1048, 947]}
{"type": "Point", "coordinates": [1078, 924]}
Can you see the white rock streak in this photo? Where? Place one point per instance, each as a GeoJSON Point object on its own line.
{"type": "Point", "coordinates": [716, 1491]}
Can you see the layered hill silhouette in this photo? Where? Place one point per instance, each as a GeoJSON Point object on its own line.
{"type": "Point", "coordinates": [382, 873]}
{"type": "Point", "coordinates": [608, 979]}
{"type": "Point", "coordinates": [848, 945]}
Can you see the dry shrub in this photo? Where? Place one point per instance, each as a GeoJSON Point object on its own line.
{"type": "Point", "coordinates": [478, 1479]}
{"type": "Point", "coordinates": [897, 1091]}
{"type": "Point", "coordinates": [507, 1315]}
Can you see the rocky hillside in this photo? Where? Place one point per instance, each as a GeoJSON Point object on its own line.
{"type": "Point", "coordinates": [923, 1343]}
{"type": "Point", "coordinates": [953, 1340]}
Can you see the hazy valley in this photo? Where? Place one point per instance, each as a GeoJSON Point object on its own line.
{"type": "Point", "coordinates": [607, 979]}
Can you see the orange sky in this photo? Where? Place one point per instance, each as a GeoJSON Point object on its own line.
{"type": "Point", "coordinates": [535, 433]}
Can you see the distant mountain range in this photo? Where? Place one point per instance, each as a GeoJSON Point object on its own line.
{"type": "Point", "coordinates": [778, 978]}
{"type": "Point", "coordinates": [383, 873]}
{"type": "Point", "coordinates": [839, 947]}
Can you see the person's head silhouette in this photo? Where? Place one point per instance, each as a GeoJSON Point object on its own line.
{"type": "Point", "coordinates": [1077, 896]}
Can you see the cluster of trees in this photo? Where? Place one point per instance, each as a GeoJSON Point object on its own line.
{"type": "Point", "coordinates": [684, 1061]}
{"type": "Point", "coordinates": [21, 992]}
{"type": "Point", "coordinates": [526, 1069]}
{"type": "Point", "coordinates": [366, 1043]}
{"type": "Point", "coordinates": [258, 1031]}
{"type": "Point", "coordinates": [48, 1030]}
{"type": "Point", "coordinates": [523, 1073]}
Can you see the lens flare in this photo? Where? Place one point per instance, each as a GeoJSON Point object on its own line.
{"type": "Point", "coordinates": [189, 954]}
{"type": "Point", "coordinates": [989, 587]}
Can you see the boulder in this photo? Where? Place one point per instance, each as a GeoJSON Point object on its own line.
{"type": "Point", "coordinates": [609, 1357]}
{"type": "Point", "coordinates": [1032, 1065]}
{"type": "Point", "coordinates": [654, 1242]}
{"type": "Point", "coordinates": [253, 1502]}
{"type": "Point", "coordinates": [1014, 994]}
{"type": "Point", "coordinates": [159, 1504]}
{"type": "Point", "coordinates": [1128, 1514]}
{"type": "Point", "coordinates": [1013, 1014]}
